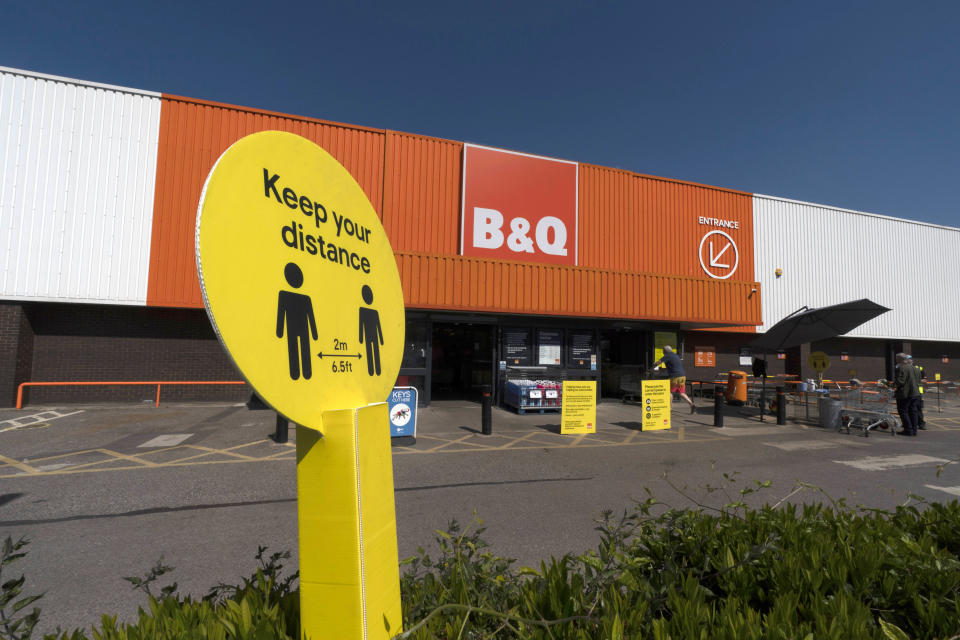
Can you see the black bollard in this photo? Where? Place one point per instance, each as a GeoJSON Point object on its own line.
{"type": "Point", "coordinates": [486, 414]}
{"type": "Point", "coordinates": [718, 391]}
{"type": "Point", "coordinates": [781, 406]}
{"type": "Point", "coordinates": [282, 426]}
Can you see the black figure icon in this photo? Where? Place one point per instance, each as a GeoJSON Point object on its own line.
{"type": "Point", "coordinates": [370, 327]}
{"type": "Point", "coordinates": [297, 310]}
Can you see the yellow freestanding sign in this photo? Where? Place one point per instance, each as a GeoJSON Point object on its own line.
{"type": "Point", "coordinates": [578, 409]}
{"type": "Point", "coordinates": [819, 361]}
{"type": "Point", "coordinates": [656, 404]}
{"type": "Point", "coordinates": [302, 288]}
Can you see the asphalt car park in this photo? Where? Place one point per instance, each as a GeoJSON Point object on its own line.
{"type": "Point", "coordinates": [102, 492]}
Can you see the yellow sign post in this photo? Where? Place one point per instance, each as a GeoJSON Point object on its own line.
{"type": "Point", "coordinates": [819, 361]}
{"type": "Point", "coordinates": [301, 285]}
{"type": "Point", "coordinates": [656, 404]}
{"type": "Point", "coordinates": [578, 410]}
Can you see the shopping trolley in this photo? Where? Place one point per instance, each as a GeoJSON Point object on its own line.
{"type": "Point", "coordinates": [866, 408]}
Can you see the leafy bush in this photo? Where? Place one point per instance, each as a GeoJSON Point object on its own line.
{"type": "Point", "coordinates": [13, 623]}
{"type": "Point", "coordinates": [265, 606]}
{"type": "Point", "coordinates": [812, 571]}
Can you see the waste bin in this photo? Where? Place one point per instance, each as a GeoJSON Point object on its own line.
{"type": "Point", "coordinates": [829, 412]}
{"type": "Point", "coordinates": [737, 388]}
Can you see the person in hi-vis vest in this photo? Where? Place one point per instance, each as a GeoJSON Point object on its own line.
{"type": "Point", "coordinates": [922, 375]}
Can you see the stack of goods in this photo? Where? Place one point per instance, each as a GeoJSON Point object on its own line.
{"type": "Point", "coordinates": [533, 394]}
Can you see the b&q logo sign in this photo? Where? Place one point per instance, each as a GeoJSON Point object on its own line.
{"type": "Point", "coordinates": [518, 207]}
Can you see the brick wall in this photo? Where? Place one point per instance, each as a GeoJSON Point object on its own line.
{"type": "Point", "coordinates": [98, 342]}
{"type": "Point", "coordinates": [16, 349]}
{"type": "Point", "coordinates": [727, 346]}
{"type": "Point", "coordinates": [866, 357]}
{"type": "Point", "coordinates": [931, 354]}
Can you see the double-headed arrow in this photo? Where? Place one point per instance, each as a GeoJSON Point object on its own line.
{"type": "Point", "coordinates": [337, 355]}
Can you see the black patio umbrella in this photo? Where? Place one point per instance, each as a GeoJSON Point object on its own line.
{"type": "Point", "coordinates": [809, 325]}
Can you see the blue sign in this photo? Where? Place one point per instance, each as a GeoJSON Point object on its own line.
{"type": "Point", "coordinates": [403, 411]}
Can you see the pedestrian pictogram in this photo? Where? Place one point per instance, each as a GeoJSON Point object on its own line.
{"type": "Point", "coordinates": [292, 261]}
{"type": "Point", "coordinates": [370, 334]}
{"type": "Point", "coordinates": [294, 314]}
{"type": "Point", "coordinates": [719, 255]}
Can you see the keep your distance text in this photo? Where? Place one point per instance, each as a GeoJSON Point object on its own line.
{"type": "Point", "coordinates": [294, 236]}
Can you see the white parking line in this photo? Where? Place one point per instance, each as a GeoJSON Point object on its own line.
{"type": "Point", "coordinates": [168, 440]}
{"type": "Point", "coordinates": [27, 421]}
{"type": "Point", "coordinates": [954, 491]}
{"type": "Point", "coordinates": [882, 463]}
{"type": "Point", "coordinates": [803, 445]}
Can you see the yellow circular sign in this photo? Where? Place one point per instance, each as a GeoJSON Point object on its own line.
{"type": "Point", "coordinates": [819, 361]}
{"type": "Point", "coordinates": [298, 277]}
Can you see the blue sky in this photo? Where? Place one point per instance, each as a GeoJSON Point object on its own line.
{"type": "Point", "coordinates": [853, 104]}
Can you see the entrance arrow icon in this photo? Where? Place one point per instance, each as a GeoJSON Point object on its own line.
{"type": "Point", "coordinates": [710, 260]}
{"type": "Point", "coordinates": [714, 258]}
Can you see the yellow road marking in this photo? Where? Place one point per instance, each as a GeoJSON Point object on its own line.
{"type": "Point", "coordinates": [63, 455]}
{"type": "Point", "coordinates": [275, 456]}
{"type": "Point", "coordinates": [123, 456]}
{"type": "Point", "coordinates": [449, 442]}
{"type": "Point", "coordinates": [587, 445]}
{"type": "Point", "coordinates": [208, 451]}
{"type": "Point", "coordinates": [73, 470]}
{"type": "Point", "coordinates": [510, 444]}
{"type": "Point", "coordinates": [577, 440]}
{"type": "Point", "coordinates": [139, 462]}
{"type": "Point", "coordinates": [113, 457]}
{"type": "Point", "coordinates": [19, 465]}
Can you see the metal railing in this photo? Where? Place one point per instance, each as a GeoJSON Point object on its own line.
{"type": "Point", "coordinates": [158, 383]}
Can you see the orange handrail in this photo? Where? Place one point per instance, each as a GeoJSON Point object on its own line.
{"type": "Point", "coordinates": [113, 383]}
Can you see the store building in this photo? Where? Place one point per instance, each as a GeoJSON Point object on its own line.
{"type": "Point", "coordinates": [507, 260]}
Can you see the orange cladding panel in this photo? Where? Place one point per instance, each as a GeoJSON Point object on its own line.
{"type": "Point", "coordinates": [421, 193]}
{"type": "Point", "coordinates": [633, 230]}
{"type": "Point", "coordinates": [459, 283]}
{"type": "Point", "coordinates": [639, 223]}
{"type": "Point", "coordinates": [193, 135]}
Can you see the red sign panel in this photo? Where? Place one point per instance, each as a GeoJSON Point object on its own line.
{"type": "Point", "coordinates": [705, 357]}
{"type": "Point", "coordinates": [518, 207]}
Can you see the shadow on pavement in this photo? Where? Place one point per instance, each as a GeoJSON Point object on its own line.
{"type": "Point", "coordinates": [552, 428]}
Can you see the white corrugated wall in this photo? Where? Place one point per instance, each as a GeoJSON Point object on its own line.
{"type": "Point", "coordinates": [78, 166]}
{"type": "Point", "coordinates": [833, 255]}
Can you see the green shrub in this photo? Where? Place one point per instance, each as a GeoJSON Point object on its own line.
{"type": "Point", "coordinates": [812, 571]}
{"type": "Point", "coordinates": [265, 606]}
{"type": "Point", "coordinates": [14, 624]}
{"type": "Point", "coordinates": [774, 572]}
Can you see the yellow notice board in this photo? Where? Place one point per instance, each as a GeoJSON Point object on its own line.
{"type": "Point", "coordinates": [579, 408]}
{"type": "Point", "coordinates": [661, 339]}
{"type": "Point", "coordinates": [656, 404]}
{"type": "Point", "coordinates": [298, 277]}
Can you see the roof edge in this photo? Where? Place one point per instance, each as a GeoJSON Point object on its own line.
{"type": "Point", "coordinates": [856, 212]}
{"type": "Point", "coordinates": [79, 83]}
